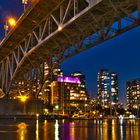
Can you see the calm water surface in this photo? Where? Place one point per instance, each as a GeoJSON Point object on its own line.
{"type": "Point", "coordinates": [70, 130]}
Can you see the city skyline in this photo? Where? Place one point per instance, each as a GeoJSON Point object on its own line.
{"type": "Point", "coordinates": [69, 69]}
{"type": "Point", "coordinates": [126, 67]}
{"type": "Point", "coordinates": [113, 54]}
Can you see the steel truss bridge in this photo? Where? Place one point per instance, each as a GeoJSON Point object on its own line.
{"type": "Point", "coordinates": [54, 30]}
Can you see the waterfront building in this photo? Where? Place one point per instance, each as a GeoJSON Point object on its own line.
{"type": "Point", "coordinates": [68, 94]}
{"type": "Point", "coordinates": [107, 85]}
{"type": "Point", "coordinates": [82, 85]}
{"type": "Point", "coordinates": [133, 93]}
{"type": "Point", "coordinates": [54, 89]}
{"type": "Point", "coordinates": [36, 85]}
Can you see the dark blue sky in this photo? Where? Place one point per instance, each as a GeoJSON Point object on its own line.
{"type": "Point", "coordinates": [120, 54]}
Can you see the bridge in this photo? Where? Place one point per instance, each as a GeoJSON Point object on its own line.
{"type": "Point", "coordinates": [53, 30]}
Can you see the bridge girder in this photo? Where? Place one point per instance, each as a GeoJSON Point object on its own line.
{"type": "Point", "coordinates": [62, 32]}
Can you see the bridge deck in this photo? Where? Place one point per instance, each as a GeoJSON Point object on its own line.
{"type": "Point", "coordinates": [81, 26]}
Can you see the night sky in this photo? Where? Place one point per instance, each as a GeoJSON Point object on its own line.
{"type": "Point", "coordinates": [120, 54]}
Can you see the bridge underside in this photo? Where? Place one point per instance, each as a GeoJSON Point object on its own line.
{"type": "Point", "coordinates": [69, 28]}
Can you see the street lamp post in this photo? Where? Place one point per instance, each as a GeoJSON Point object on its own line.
{"type": "Point", "coordinates": [24, 109]}
{"type": "Point", "coordinates": [6, 28]}
{"type": "Point", "coordinates": [24, 2]}
{"type": "Point", "coordinates": [23, 99]}
{"type": "Point", "coordinates": [10, 22]}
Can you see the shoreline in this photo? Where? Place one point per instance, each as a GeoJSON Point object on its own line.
{"type": "Point", "coordinates": [46, 117]}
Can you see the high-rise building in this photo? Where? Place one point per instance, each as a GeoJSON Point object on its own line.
{"type": "Point", "coordinates": [133, 93]}
{"type": "Point", "coordinates": [82, 85]}
{"type": "Point", "coordinates": [107, 84]}
{"type": "Point", "coordinates": [57, 72]}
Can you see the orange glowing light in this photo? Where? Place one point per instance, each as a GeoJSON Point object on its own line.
{"type": "Point", "coordinates": [59, 27]}
{"type": "Point", "coordinates": [12, 22]}
{"type": "Point", "coordinates": [23, 98]}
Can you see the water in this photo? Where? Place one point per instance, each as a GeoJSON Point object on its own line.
{"type": "Point", "coordinates": [70, 130]}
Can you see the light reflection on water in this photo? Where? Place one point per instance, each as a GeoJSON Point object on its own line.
{"type": "Point", "coordinates": [71, 130]}
{"type": "Point", "coordinates": [121, 129]}
{"type": "Point", "coordinates": [37, 129]}
{"type": "Point", "coordinates": [45, 129]}
{"type": "Point", "coordinates": [22, 130]}
{"type": "Point", "coordinates": [56, 130]}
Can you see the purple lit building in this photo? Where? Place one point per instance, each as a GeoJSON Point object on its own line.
{"type": "Point", "coordinates": [69, 80]}
{"type": "Point", "coordinates": [68, 94]}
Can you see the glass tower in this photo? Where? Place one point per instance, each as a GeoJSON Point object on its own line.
{"type": "Point", "coordinates": [133, 93]}
{"type": "Point", "coordinates": [107, 84]}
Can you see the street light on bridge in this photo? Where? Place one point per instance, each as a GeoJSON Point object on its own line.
{"type": "Point", "coordinates": [9, 22]}
{"type": "Point", "coordinates": [24, 2]}
{"type": "Point", "coordinates": [60, 27]}
{"type": "Point", "coordinates": [28, 2]}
